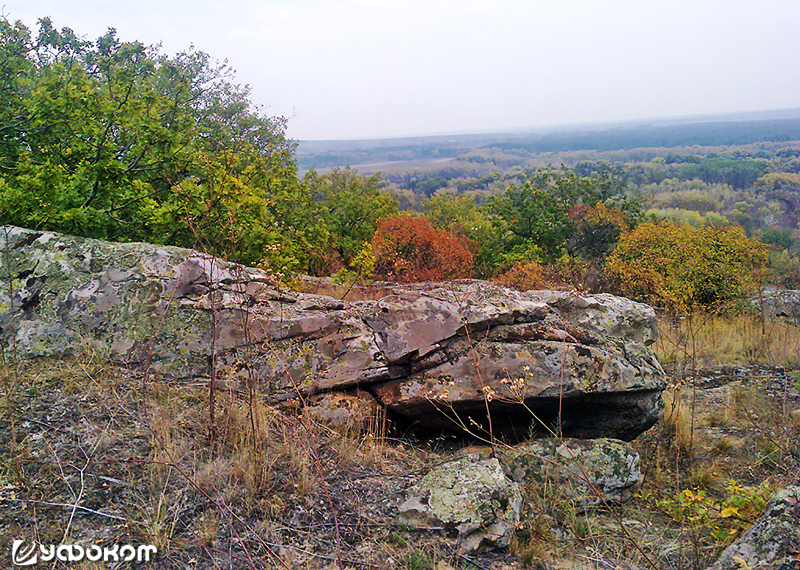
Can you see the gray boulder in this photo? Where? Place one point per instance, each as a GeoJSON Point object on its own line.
{"type": "Point", "coordinates": [470, 498]}
{"type": "Point", "coordinates": [782, 303]}
{"type": "Point", "coordinates": [433, 354]}
{"type": "Point", "coordinates": [589, 472]}
{"type": "Point", "coordinates": [773, 542]}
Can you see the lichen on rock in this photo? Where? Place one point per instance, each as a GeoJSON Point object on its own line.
{"type": "Point", "coordinates": [469, 497]}
{"type": "Point", "coordinates": [773, 542]}
{"type": "Point", "coordinates": [178, 312]}
{"type": "Point", "coordinates": [586, 471]}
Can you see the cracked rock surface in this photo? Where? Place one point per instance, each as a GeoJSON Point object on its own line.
{"type": "Point", "coordinates": [432, 354]}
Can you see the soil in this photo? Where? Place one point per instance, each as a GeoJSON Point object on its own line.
{"type": "Point", "coordinates": [92, 453]}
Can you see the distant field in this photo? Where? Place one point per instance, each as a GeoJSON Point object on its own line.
{"type": "Point", "coordinates": [383, 155]}
{"type": "Point", "coordinates": [391, 165]}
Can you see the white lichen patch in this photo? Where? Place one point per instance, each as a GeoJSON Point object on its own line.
{"type": "Point", "coordinates": [471, 497]}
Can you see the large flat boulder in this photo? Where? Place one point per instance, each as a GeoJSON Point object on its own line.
{"type": "Point", "coordinates": [437, 356]}
{"type": "Point", "coordinates": [548, 361]}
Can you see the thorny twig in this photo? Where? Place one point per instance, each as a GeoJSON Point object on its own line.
{"type": "Point", "coordinates": [79, 507]}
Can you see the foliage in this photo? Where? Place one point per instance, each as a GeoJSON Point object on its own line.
{"type": "Point", "coordinates": [110, 139]}
{"type": "Point", "coordinates": [784, 269]}
{"type": "Point", "coordinates": [523, 276]}
{"type": "Point", "coordinates": [684, 268]}
{"type": "Point", "coordinates": [784, 187]}
{"type": "Point", "coordinates": [349, 206]}
{"type": "Point", "coordinates": [723, 519]}
{"type": "Point", "coordinates": [576, 273]}
{"type": "Point", "coordinates": [537, 212]}
{"type": "Point", "coordinates": [360, 270]}
{"type": "Point", "coordinates": [596, 231]}
{"type": "Point", "coordinates": [408, 249]}
{"type": "Point", "coordinates": [780, 238]}
{"type": "Point", "coordinates": [460, 215]}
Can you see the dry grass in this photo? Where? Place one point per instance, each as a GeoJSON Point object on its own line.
{"type": "Point", "coordinates": [678, 422]}
{"type": "Point", "coordinates": [727, 444]}
{"type": "Point", "coordinates": [274, 487]}
{"type": "Point", "coordinates": [708, 340]}
{"type": "Point", "coordinates": [264, 487]}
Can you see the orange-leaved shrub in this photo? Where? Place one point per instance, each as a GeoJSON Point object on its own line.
{"type": "Point", "coordinates": [523, 276]}
{"type": "Point", "coordinates": [408, 249]}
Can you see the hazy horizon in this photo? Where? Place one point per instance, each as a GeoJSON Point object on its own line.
{"type": "Point", "coordinates": [761, 114]}
{"type": "Point", "coordinates": [369, 69]}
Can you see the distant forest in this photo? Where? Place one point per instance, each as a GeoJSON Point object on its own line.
{"type": "Point", "coordinates": [722, 172]}
{"type": "Point", "coordinates": [656, 158]}
{"type": "Point", "coordinates": [710, 132]}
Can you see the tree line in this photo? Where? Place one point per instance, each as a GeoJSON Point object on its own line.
{"type": "Point", "coordinates": [115, 140]}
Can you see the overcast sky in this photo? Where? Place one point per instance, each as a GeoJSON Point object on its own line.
{"type": "Point", "coordinates": [344, 69]}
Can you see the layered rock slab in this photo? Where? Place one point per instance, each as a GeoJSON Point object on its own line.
{"type": "Point", "coordinates": [546, 361]}
{"type": "Point", "coordinates": [437, 356]}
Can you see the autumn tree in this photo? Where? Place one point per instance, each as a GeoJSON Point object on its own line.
{"type": "Point", "coordinates": [683, 268]}
{"type": "Point", "coordinates": [460, 215]}
{"type": "Point", "coordinates": [535, 215]}
{"type": "Point", "coordinates": [596, 230]}
{"type": "Point", "coordinates": [407, 249]}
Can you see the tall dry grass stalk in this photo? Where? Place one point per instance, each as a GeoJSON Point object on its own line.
{"type": "Point", "coordinates": [737, 339]}
{"type": "Point", "coordinates": [677, 421]}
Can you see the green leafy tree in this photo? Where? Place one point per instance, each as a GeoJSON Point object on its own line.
{"type": "Point", "coordinates": [738, 172]}
{"type": "Point", "coordinates": [94, 142]}
{"type": "Point", "coordinates": [350, 205]}
{"type": "Point", "coordinates": [113, 140]}
{"type": "Point", "coordinates": [535, 216]}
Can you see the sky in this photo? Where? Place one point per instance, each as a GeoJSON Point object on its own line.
{"type": "Point", "coordinates": [357, 69]}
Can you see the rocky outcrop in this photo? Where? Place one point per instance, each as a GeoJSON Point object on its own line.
{"type": "Point", "coordinates": [783, 303]}
{"type": "Point", "coordinates": [436, 356]}
{"type": "Point", "coordinates": [588, 472]}
{"type": "Point", "coordinates": [773, 542]}
{"type": "Point", "coordinates": [470, 498]}
{"type": "Point", "coordinates": [578, 363]}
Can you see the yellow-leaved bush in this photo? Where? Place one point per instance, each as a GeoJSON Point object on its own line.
{"type": "Point", "coordinates": [683, 268]}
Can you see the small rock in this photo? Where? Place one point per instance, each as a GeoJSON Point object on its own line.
{"type": "Point", "coordinates": [470, 497]}
{"type": "Point", "coordinates": [589, 471]}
